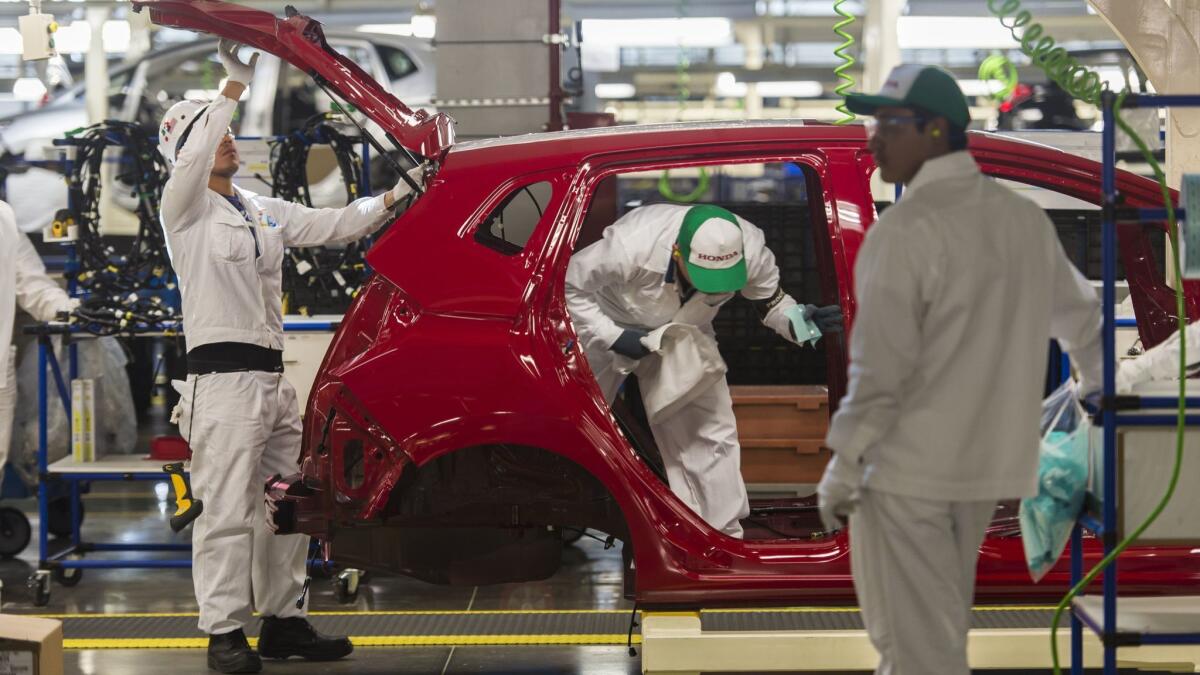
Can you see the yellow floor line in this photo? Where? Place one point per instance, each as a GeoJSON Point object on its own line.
{"type": "Point", "coordinates": [457, 612]}
{"type": "Point", "coordinates": [370, 641]}
{"type": "Point", "coordinates": [748, 610]}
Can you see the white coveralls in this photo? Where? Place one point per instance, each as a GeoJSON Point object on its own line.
{"type": "Point", "coordinates": [960, 287]}
{"type": "Point", "coordinates": [1160, 362]}
{"type": "Point", "coordinates": [242, 426]}
{"type": "Point", "coordinates": [23, 282]}
{"type": "Point", "coordinates": [628, 280]}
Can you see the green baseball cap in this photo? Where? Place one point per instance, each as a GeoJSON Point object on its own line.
{"type": "Point", "coordinates": [710, 241]}
{"type": "Point", "coordinates": [927, 87]}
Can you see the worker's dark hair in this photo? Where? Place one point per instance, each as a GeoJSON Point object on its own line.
{"type": "Point", "coordinates": [957, 135]}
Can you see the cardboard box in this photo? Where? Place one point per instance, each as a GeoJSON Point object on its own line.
{"type": "Point", "coordinates": [30, 645]}
{"type": "Point", "coordinates": [781, 429]}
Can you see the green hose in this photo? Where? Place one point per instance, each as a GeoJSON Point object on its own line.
{"type": "Point", "coordinates": [682, 80]}
{"type": "Point", "coordinates": [997, 67]}
{"type": "Point", "coordinates": [1057, 63]}
{"type": "Point", "coordinates": [1087, 86]}
{"type": "Point", "coordinates": [847, 81]}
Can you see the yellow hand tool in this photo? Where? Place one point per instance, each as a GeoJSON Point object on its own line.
{"type": "Point", "coordinates": [187, 508]}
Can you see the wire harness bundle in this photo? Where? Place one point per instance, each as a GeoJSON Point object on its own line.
{"type": "Point", "coordinates": [320, 278]}
{"type": "Point", "coordinates": [122, 290]}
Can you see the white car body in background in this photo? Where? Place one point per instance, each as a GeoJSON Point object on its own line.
{"type": "Point", "coordinates": [144, 90]}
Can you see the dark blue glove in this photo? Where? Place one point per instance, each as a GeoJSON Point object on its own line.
{"type": "Point", "coordinates": [828, 318]}
{"type": "Point", "coordinates": [630, 344]}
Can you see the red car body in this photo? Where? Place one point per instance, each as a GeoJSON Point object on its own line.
{"type": "Point", "coordinates": [454, 427]}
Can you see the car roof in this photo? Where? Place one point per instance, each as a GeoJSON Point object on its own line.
{"type": "Point", "coordinates": [539, 151]}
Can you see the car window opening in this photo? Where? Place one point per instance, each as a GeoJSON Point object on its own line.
{"type": "Point", "coordinates": [776, 198]}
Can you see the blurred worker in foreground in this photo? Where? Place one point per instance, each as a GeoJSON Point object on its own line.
{"type": "Point", "coordinates": [670, 263]}
{"type": "Point", "coordinates": [960, 286]}
{"type": "Point", "coordinates": [237, 411]}
{"type": "Point", "coordinates": [23, 282]}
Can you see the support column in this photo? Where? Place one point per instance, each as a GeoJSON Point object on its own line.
{"type": "Point", "coordinates": [1162, 37]}
{"type": "Point", "coordinates": [1183, 124]}
{"type": "Point", "coordinates": [750, 36]}
{"type": "Point", "coordinates": [95, 66]}
{"type": "Point", "coordinates": [880, 47]}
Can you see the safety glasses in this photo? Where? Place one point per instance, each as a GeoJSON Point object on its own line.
{"type": "Point", "coordinates": [888, 126]}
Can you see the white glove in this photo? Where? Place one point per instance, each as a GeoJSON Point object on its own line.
{"type": "Point", "coordinates": [403, 189]}
{"type": "Point", "coordinates": [838, 492]}
{"type": "Point", "coordinates": [227, 51]}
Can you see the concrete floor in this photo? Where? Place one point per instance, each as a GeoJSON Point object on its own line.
{"type": "Point", "coordinates": [130, 512]}
{"type": "Point", "coordinates": [590, 578]}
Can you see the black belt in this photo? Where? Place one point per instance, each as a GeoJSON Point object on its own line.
{"type": "Point", "coordinates": [233, 357]}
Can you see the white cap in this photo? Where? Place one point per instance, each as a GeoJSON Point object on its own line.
{"type": "Point", "coordinates": [176, 124]}
{"type": "Point", "coordinates": [710, 238]}
{"type": "Point", "coordinates": [717, 245]}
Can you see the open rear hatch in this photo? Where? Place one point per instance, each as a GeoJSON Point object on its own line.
{"type": "Point", "coordinates": [300, 41]}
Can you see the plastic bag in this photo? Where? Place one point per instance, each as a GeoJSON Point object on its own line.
{"type": "Point", "coordinates": [102, 359]}
{"type": "Point", "coordinates": [1047, 518]}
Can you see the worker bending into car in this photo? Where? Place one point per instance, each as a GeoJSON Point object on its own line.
{"type": "Point", "coordinates": [960, 286]}
{"type": "Point", "coordinates": [237, 411]}
{"type": "Point", "coordinates": [668, 263]}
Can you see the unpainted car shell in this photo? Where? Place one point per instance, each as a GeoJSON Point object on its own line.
{"type": "Point", "coordinates": [458, 350]}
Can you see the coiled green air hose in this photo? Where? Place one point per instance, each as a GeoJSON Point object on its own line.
{"type": "Point", "coordinates": [998, 68]}
{"type": "Point", "coordinates": [682, 81]}
{"type": "Point", "coordinates": [847, 81]}
{"type": "Point", "coordinates": [1086, 85]}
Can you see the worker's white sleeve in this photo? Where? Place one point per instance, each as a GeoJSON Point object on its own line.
{"type": "Point", "coordinates": [36, 292]}
{"type": "Point", "coordinates": [762, 282]}
{"type": "Point", "coordinates": [1160, 362]}
{"type": "Point", "coordinates": [601, 264]}
{"type": "Point", "coordinates": [885, 342]}
{"type": "Point", "coordinates": [1076, 321]}
{"type": "Point", "coordinates": [305, 226]}
{"type": "Point", "coordinates": [187, 188]}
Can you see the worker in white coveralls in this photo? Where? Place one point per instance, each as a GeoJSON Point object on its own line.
{"type": "Point", "coordinates": [960, 286]}
{"type": "Point", "coordinates": [237, 411]}
{"type": "Point", "coordinates": [667, 263]}
{"type": "Point", "coordinates": [23, 282]}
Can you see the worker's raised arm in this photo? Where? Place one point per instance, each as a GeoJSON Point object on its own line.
{"type": "Point", "coordinates": [603, 263]}
{"type": "Point", "coordinates": [304, 226]}
{"type": "Point", "coordinates": [189, 136]}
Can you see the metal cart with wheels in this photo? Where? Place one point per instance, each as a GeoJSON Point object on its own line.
{"type": "Point", "coordinates": [63, 516]}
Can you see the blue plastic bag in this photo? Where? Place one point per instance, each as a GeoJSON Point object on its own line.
{"type": "Point", "coordinates": [1047, 518]}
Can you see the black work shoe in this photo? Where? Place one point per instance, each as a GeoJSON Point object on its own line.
{"type": "Point", "coordinates": [230, 653]}
{"type": "Point", "coordinates": [295, 636]}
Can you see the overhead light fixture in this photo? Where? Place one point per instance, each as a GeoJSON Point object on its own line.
{"type": "Point", "coordinates": [804, 8]}
{"type": "Point", "coordinates": [405, 29]}
{"type": "Point", "coordinates": [76, 37]}
{"type": "Point", "coordinates": [10, 40]}
{"type": "Point", "coordinates": [684, 32]}
{"type": "Point", "coordinates": [727, 86]}
{"type": "Point", "coordinates": [952, 32]}
{"type": "Point", "coordinates": [28, 89]}
{"type": "Point", "coordinates": [614, 90]}
{"type": "Point", "coordinates": [424, 23]}
{"type": "Point", "coordinates": [980, 87]}
{"type": "Point", "coordinates": [791, 89]}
